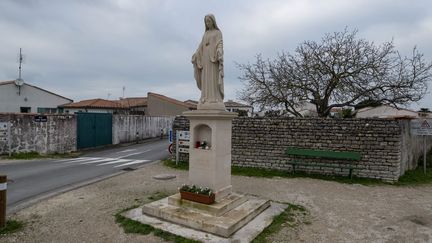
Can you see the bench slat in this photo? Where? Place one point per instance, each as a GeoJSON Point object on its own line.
{"type": "Point", "coordinates": [301, 163]}
{"type": "Point", "coordinates": [324, 154]}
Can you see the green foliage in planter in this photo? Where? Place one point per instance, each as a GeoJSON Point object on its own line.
{"type": "Point", "coordinates": [195, 189]}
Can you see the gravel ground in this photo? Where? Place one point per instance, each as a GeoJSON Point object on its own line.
{"type": "Point", "coordinates": [338, 212]}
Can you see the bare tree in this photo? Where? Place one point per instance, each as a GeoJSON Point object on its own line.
{"type": "Point", "coordinates": [341, 70]}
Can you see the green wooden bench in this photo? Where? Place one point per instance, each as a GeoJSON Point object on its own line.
{"type": "Point", "coordinates": [350, 157]}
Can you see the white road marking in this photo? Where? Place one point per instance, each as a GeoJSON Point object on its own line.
{"type": "Point", "coordinates": [97, 161]}
{"type": "Point", "coordinates": [64, 160]}
{"type": "Point", "coordinates": [132, 163]}
{"type": "Point", "coordinates": [106, 161]}
{"type": "Point", "coordinates": [116, 162]}
{"type": "Point", "coordinates": [127, 150]}
{"type": "Point", "coordinates": [81, 160]}
{"type": "Point", "coordinates": [127, 155]}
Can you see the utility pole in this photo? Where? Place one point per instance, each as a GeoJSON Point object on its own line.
{"type": "Point", "coordinates": [19, 82]}
{"type": "Point", "coordinates": [20, 63]}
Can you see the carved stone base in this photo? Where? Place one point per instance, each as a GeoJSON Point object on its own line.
{"type": "Point", "coordinates": [211, 106]}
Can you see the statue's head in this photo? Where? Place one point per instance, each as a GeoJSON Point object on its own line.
{"type": "Point", "coordinates": [210, 22]}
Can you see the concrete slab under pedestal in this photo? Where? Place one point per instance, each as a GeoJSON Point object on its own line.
{"type": "Point", "coordinates": [242, 209]}
{"type": "Point", "coordinates": [244, 235]}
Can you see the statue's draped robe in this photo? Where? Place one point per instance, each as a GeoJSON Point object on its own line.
{"type": "Point", "coordinates": [208, 67]}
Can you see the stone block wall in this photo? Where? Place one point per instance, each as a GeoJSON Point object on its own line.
{"type": "Point", "coordinates": [56, 135]}
{"type": "Point", "coordinates": [261, 142]}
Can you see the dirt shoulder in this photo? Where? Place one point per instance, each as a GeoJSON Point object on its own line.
{"type": "Point", "coordinates": [339, 212]}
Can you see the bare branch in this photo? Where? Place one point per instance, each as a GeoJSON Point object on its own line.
{"type": "Point", "coordinates": [341, 70]}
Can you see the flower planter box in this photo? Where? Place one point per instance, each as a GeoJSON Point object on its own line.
{"type": "Point", "coordinates": [200, 198]}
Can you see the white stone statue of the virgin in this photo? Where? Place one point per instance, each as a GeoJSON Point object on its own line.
{"type": "Point", "coordinates": [208, 66]}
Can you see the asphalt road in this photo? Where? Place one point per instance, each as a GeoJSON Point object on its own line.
{"type": "Point", "coordinates": [31, 181]}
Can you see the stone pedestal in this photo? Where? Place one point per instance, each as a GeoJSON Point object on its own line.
{"type": "Point", "coordinates": [211, 167]}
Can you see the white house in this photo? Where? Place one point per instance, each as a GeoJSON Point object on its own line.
{"type": "Point", "coordinates": [230, 105]}
{"type": "Point", "coordinates": [25, 98]}
{"type": "Point", "coordinates": [386, 111]}
{"type": "Point", "coordinates": [306, 109]}
{"type": "Point", "coordinates": [233, 106]}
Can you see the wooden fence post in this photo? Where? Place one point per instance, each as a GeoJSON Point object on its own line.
{"type": "Point", "coordinates": [3, 189]}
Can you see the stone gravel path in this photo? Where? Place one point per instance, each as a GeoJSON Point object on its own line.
{"type": "Point", "coordinates": [338, 212]}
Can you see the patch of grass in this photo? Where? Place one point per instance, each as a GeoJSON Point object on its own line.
{"type": "Point", "coordinates": [132, 226]}
{"type": "Point", "coordinates": [167, 236]}
{"type": "Point", "coordinates": [180, 166]}
{"type": "Point", "coordinates": [65, 155]}
{"type": "Point", "coordinates": [135, 227]}
{"type": "Point", "coordinates": [24, 155]}
{"type": "Point", "coordinates": [11, 227]}
{"type": "Point", "coordinates": [289, 217]}
{"type": "Point", "coordinates": [412, 177]}
{"type": "Point", "coordinates": [416, 177]}
{"type": "Point", "coordinates": [259, 172]}
{"type": "Point", "coordinates": [156, 196]}
{"type": "Point", "coordinates": [36, 155]}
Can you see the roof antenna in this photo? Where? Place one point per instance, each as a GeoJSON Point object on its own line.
{"type": "Point", "coordinates": [19, 82]}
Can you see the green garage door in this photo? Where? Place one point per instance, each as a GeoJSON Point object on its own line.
{"type": "Point", "coordinates": [93, 129]}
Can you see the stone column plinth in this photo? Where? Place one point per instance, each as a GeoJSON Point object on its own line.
{"type": "Point", "coordinates": [211, 167]}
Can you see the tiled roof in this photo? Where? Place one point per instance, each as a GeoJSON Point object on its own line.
{"type": "Point", "coordinates": [171, 100]}
{"type": "Point", "coordinates": [6, 82]}
{"type": "Point", "coordinates": [13, 81]}
{"type": "Point", "coordinates": [95, 103]}
{"type": "Point", "coordinates": [192, 102]}
{"type": "Point", "coordinates": [231, 103]}
{"type": "Point", "coordinates": [388, 106]}
{"type": "Point", "coordinates": [133, 102]}
{"type": "Point", "coordinates": [228, 103]}
{"type": "Point", "coordinates": [336, 109]}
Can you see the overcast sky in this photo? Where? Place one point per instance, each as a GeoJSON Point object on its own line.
{"type": "Point", "coordinates": [85, 49]}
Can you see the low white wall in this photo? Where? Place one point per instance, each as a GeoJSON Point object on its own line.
{"type": "Point", "coordinates": [412, 147]}
{"type": "Point", "coordinates": [129, 128]}
{"type": "Point", "coordinates": [56, 135]}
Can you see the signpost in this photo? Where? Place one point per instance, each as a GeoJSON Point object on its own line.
{"type": "Point", "coordinates": [170, 137]}
{"type": "Point", "coordinates": [40, 118]}
{"type": "Point", "coordinates": [422, 127]}
{"type": "Point", "coordinates": [182, 143]}
{"type": "Point", "coordinates": [3, 131]}
{"type": "Point", "coordinates": [5, 134]}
